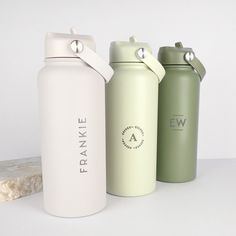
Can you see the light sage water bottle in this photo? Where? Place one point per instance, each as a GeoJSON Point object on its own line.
{"type": "Point", "coordinates": [178, 114]}
{"type": "Point", "coordinates": [131, 116]}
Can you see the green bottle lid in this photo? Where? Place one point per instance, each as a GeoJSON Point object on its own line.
{"type": "Point", "coordinates": [125, 51]}
{"type": "Point", "coordinates": [175, 55]}
{"type": "Point", "coordinates": [179, 55]}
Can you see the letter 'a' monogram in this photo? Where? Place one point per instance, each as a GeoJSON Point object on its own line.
{"type": "Point", "coordinates": [132, 137]}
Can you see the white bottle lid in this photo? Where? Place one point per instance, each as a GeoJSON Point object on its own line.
{"type": "Point", "coordinates": [59, 44]}
{"type": "Point", "coordinates": [73, 45]}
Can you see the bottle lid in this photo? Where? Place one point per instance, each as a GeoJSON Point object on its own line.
{"type": "Point", "coordinates": [59, 44]}
{"type": "Point", "coordinates": [179, 55]}
{"type": "Point", "coordinates": [125, 51]}
{"type": "Point", "coordinates": [174, 55]}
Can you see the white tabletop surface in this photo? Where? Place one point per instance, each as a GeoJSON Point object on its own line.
{"type": "Point", "coordinates": [204, 207]}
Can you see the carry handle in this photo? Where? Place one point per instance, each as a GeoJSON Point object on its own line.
{"type": "Point", "coordinates": [150, 61]}
{"type": "Point", "coordinates": [91, 58]}
{"type": "Point", "coordinates": [192, 60]}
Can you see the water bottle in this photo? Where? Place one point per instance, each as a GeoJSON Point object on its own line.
{"type": "Point", "coordinates": [131, 115]}
{"type": "Point", "coordinates": [178, 114]}
{"type": "Point", "coordinates": [72, 114]}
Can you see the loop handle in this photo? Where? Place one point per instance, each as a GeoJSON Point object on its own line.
{"type": "Point", "coordinates": [192, 60]}
{"type": "Point", "coordinates": [150, 61]}
{"type": "Point", "coordinates": [92, 59]}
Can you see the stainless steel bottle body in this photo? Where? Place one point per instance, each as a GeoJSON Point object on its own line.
{"type": "Point", "coordinates": [178, 124]}
{"type": "Point", "coordinates": [72, 112]}
{"type": "Point", "coordinates": [131, 116]}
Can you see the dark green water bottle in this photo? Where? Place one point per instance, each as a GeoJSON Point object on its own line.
{"type": "Point", "coordinates": [178, 114]}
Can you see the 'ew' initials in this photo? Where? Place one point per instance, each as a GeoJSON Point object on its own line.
{"type": "Point", "coordinates": [178, 122]}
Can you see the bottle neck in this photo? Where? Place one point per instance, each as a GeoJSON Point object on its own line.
{"type": "Point", "coordinates": [64, 61]}
{"type": "Point", "coordinates": [178, 66]}
{"type": "Point", "coordinates": [136, 65]}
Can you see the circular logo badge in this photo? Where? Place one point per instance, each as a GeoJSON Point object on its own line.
{"type": "Point", "coordinates": [132, 137]}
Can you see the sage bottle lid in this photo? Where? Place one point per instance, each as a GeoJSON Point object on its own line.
{"type": "Point", "coordinates": [59, 44]}
{"type": "Point", "coordinates": [175, 55]}
{"type": "Point", "coordinates": [125, 51]}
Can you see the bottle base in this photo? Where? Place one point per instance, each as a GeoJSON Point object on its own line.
{"type": "Point", "coordinates": [57, 214]}
{"type": "Point", "coordinates": [169, 180]}
{"type": "Point", "coordinates": [133, 194]}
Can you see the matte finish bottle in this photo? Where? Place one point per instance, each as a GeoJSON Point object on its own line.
{"type": "Point", "coordinates": [131, 113]}
{"type": "Point", "coordinates": [72, 113]}
{"type": "Point", "coordinates": [178, 114]}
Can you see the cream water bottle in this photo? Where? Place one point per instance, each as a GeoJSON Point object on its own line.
{"type": "Point", "coordinates": [72, 114]}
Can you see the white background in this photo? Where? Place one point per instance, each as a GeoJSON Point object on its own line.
{"type": "Point", "coordinates": [209, 27]}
